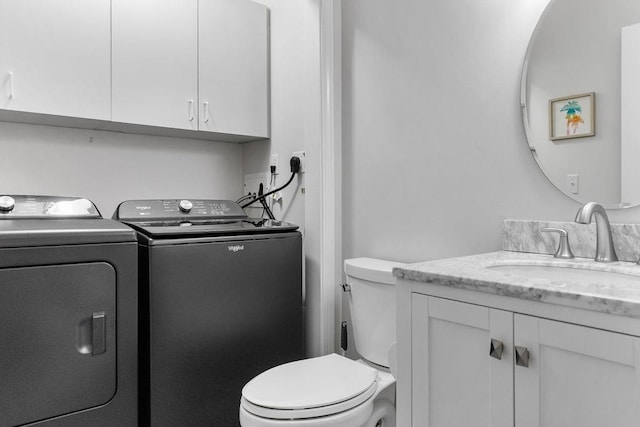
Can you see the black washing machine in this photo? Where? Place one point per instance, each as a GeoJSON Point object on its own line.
{"type": "Point", "coordinates": [220, 302]}
{"type": "Point", "coordinates": [68, 315]}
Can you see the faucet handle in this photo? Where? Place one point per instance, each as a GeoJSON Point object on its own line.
{"type": "Point", "coordinates": [564, 251]}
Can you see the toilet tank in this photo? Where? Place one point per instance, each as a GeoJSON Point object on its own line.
{"type": "Point", "coordinates": [372, 302]}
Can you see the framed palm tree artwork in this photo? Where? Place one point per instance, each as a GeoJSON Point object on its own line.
{"type": "Point", "coordinates": [572, 116]}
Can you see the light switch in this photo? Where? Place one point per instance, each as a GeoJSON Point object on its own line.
{"type": "Point", "coordinates": [573, 182]}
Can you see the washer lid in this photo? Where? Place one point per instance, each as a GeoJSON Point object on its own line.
{"type": "Point", "coordinates": [310, 383]}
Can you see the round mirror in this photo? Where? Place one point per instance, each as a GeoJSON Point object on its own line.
{"type": "Point", "coordinates": [580, 99]}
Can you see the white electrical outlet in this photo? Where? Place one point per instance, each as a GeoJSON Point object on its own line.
{"type": "Point", "coordinates": [274, 162]}
{"type": "Point", "coordinates": [301, 155]}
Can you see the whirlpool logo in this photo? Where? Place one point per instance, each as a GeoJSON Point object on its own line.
{"type": "Point", "coordinates": [235, 248]}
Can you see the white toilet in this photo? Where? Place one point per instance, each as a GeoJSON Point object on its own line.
{"type": "Point", "coordinates": [334, 390]}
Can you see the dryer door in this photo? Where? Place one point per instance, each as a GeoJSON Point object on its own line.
{"type": "Point", "coordinates": [57, 340]}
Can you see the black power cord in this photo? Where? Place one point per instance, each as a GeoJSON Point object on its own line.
{"type": "Point", "coordinates": [295, 168]}
{"type": "Point", "coordinates": [264, 203]}
{"type": "Point", "coordinates": [243, 198]}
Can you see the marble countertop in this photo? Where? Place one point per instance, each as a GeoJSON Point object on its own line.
{"type": "Point", "coordinates": [471, 272]}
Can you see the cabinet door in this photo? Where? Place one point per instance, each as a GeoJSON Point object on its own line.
{"type": "Point", "coordinates": [233, 67]}
{"type": "Point", "coordinates": [155, 75]}
{"type": "Point", "coordinates": [55, 57]}
{"type": "Point", "coordinates": [455, 380]}
{"type": "Point", "coordinates": [577, 376]}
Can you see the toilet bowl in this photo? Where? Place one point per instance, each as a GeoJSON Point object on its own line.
{"type": "Point", "coordinates": [333, 390]}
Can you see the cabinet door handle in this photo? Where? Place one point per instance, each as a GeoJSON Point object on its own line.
{"type": "Point", "coordinates": [191, 110]}
{"type": "Point", "coordinates": [522, 356]}
{"type": "Point", "coordinates": [206, 112]}
{"type": "Point", "coordinates": [496, 348]}
{"type": "Point", "coordinates": [10, 95]}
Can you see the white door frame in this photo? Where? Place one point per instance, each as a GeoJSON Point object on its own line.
{"type": "Point", "coordinates": [331, 99]}
{"type": "Point", "coordinates": [323, 142]}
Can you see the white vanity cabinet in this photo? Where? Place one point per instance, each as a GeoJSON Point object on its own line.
{"type": "Point", "coordinates": [454, 381]}
{"type": "Point", "coordinates": [191, 64]}
{"type": "Point", "coordinates": [576, 375]}
{"type": "Point", "coordinates": [55, 57]}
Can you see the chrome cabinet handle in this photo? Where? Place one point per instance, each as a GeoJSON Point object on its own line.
{"type": "Point", "coordinates": [206, 112]}
{"type": "Point", "coordinates": [191, 110]}
{"type": "Point", "coordinates": [522, 356]}
{"type": "Point", "coordinates": [10, 95]}
{"type": "Point", "coordinates": [496, 348]}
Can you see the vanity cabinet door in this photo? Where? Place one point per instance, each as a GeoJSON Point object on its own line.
{"type": "Point", "coordinates": [576, 376]}
{"type": "Point", "coordinates": [55, 57]}
{"type": "Point", "coordinates": [455, 380]}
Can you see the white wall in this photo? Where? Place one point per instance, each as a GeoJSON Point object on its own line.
{"type": "Point", "coordinates": [434, 152]}
{"type": "Point", "coordinates": [109, 167]}
{"type": "Point", "coordinates": [287, 113]}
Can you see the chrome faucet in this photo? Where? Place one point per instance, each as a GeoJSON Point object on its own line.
{"type": "Point", "coordinates": [604, 243]}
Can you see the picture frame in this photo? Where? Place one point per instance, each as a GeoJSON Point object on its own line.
{"type": "Point", "coordinates": [572, 116]}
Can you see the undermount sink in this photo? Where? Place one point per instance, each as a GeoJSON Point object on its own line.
{"type": "Point", "coordinates": [570, 273]}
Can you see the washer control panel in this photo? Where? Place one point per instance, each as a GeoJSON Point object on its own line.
{"type": "Point", "coordinates": [46, 207]}
{"type": "Point", "coordinates": [178, 209]}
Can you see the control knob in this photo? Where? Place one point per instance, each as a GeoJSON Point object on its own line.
{"type": "Point", "coordinates": [7, 203]}
{"type": "Point", "coordinates": [185, 206]}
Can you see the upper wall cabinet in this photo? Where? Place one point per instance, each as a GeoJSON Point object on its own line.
{"type": "Point", "coordinates": [189, 64]}
{"type": "Point", "coordinates": [233, 67]}
{"type": "Point", "coordinates": [55, 57]}
{"type": "Point", "coordinates": [155, 62]}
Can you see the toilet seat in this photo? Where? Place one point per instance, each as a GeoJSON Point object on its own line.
{"type": "Point", "coordinates": [310, 388]}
